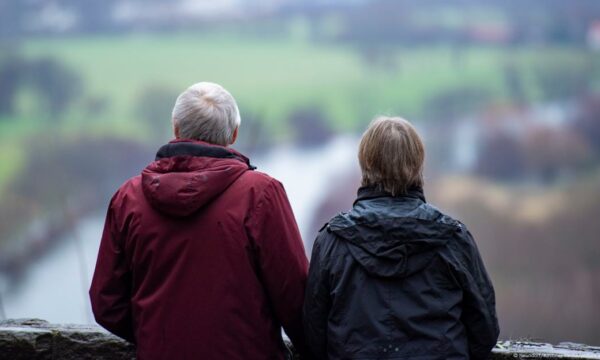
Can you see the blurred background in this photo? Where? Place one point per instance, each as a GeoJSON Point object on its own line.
{"type": "Point", "coordinates": [506, 94]}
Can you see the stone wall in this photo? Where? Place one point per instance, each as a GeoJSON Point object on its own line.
{"type": "Point", "coordinates": [36, 339]}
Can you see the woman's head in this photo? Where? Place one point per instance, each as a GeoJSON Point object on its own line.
{"type": "Point", "coordinates": [391, 155]}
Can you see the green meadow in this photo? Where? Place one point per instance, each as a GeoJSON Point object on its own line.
{"type": "Point", "coordinates": [270, 77]}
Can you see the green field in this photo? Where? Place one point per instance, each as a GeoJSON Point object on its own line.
{"type": "Point", "coordinates": [270, 77]}
{"type": "Point", "coordinates": [273, 76]}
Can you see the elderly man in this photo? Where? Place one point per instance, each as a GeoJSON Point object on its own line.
{"type": "Point", "coordinates": [201, 257]}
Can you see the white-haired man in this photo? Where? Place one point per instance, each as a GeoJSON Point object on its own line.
{"type": "Point", "coordinates": [201, 257]}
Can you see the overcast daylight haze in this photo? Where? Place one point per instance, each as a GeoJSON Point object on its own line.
{"type": "Point", "coordinates": [505, 93]}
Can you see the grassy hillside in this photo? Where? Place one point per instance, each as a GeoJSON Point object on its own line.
{"type": "Point", "coordinates": [272, 76]}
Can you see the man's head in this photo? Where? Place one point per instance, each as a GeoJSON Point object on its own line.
{"type": "Point", "coordinates": [391, 155]}
{"type": "Point", "coordinates": [206, 112]}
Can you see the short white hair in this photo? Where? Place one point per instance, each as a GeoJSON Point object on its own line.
{"type": "Point", "coordinates": [206, 112]}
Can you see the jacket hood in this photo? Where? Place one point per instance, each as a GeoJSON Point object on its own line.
{"type": "Point", "coordinates": [392, 236]}
{"type": "Point", "coordinates": [187, 175]}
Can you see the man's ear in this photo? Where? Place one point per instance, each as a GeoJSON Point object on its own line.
{"type": "Point", "coordinates": [235, 135]}
{"type": "Point", "coordinates": [176, 130]}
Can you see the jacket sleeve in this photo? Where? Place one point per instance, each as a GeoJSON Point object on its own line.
{"type": "Point", "coordinates": [479, 304]}
{"type": "Point", "coordinates": [317, 302]}
{"type": "Point", "coordinates": [281, 260]}
{"type": "Point", "coordinates": [111, 285]}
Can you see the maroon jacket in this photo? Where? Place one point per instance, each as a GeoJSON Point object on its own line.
{"type": "Point", "coordinates": [201, 258]}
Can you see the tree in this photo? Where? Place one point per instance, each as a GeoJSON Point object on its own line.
{"type": "Point", "coordinates": [254, 137]}
{"type": "Point", "coordinates": [309, 126]}
{"type": "Point", "coordinates": [501, 157]}
{"type": "Point", "coordinates": [153, 107]}
{"type": "Point", "coordinates": [12, 74]}
{"type": "Point", "coordinates": [560, 81]}
{"type": "Point", "coordinates": [459, 101]}
{"type": "Point", "coordinates": [587, 121]}
{"type": "Point", "coordinates": [12, 13]}
{"type": "Point", "coordinates": [56, 85]}
{"type": "Point", "coordinates": [514, 83]}
{"type": "Point", "coordinates": [550, 152]}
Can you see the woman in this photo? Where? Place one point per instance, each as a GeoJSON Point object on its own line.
{"type": "Point", "coordinates": [394, 278]}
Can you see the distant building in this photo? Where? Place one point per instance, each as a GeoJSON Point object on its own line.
{"type": "Point", "coordinates": [50, 17]}
{"type": "Point", "coordinates": [490, 33]}
{"type": "Point", "coordinates": [593, 36]}
{"type": "Point", "coordinates": [468, 136]}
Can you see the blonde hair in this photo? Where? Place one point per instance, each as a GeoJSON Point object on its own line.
{"type": "Point", "coordinates": [207, 112]}
{"type": "Point", "coordinates": [391, 155]}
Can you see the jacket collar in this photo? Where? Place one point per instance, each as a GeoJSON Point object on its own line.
{"type": "Point", "coordinates": [186, 147]}
{"type": "Point", "coordinates": [371, 192]}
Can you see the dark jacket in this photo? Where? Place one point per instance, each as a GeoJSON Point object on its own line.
{"type": "Point", "coordinates": [201, 258]}
{"type": "Point", "coordinates": [395, 278]}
